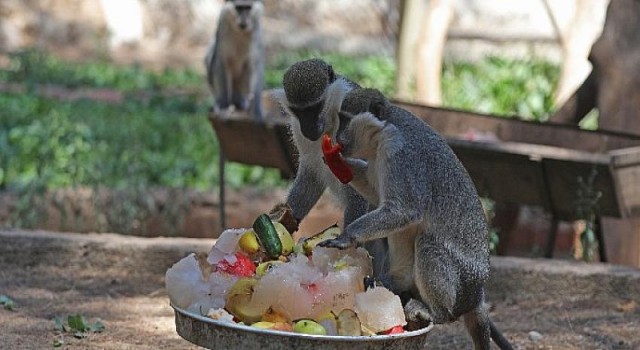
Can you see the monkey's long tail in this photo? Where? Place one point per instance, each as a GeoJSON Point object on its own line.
{"type": "Point", "coordinates": [498, 338]}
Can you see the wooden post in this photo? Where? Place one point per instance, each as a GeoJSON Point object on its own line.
{"type": "Point", "coordinates": [551, 237]}
{"type": "Point", "coordinates": [221, 192]}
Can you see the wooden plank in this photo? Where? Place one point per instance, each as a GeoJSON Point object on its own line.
{"type": "Point", "coordinates": [625, 165]}
{"type": "Point", "coordinates": [455, 123]}
{"type": "Point", "coordinates": [563, 177]}
{"type": "Point", "coordinates": [503, 175]}
{"type": "Point", "coordinates": [541, 169]}
{"type": "Point", "coordinates": [245, 141]}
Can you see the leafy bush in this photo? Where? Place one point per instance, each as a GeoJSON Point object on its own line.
{"type": "Point", "coordinates": [159, 135]}
{"type": "Point", "coordinates": [159, 140]}
{"type": "Point", "coordinates": [501, 86]}
{"type": "Point", "coordinates": [370, 71]}
{"type": "Point", "coordinates": [37, 67]}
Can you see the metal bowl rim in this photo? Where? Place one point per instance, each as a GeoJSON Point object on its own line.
{"type": "Point", "coordinates": [246, 328]}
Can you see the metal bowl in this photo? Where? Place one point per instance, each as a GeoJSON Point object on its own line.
{"type": "Point", "coordinates": [213, 334]}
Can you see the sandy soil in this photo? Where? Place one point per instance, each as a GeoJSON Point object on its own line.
{"type": "Point", "coordinates": [120, 281]}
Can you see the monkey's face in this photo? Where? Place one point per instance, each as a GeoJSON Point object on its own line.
{"type": "Point", "coordinates": [311, 125]}
{"type": "Point", "coordinates": [246, 13]}
{"type": "Point", "coordinates": [306, 86]}
{"type": "Point", "coordinates": [365, 100]}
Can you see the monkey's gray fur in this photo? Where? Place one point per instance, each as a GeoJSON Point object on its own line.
{"type": "Point", "coordinates": [235, 60]}
{"type": "Point", "coordinates": [427, 208]}
{"type": "Point", "coordinates": [312, 97]}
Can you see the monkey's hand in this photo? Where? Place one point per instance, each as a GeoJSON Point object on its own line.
{"type": "Point", "coordinates": [334, 160]}
{"type": "Point", "coordinates": [417, 314]}
{"type": "Point", "coordinates": [283, 214]}
{"type": "Point", "coordinates": [341, 242]}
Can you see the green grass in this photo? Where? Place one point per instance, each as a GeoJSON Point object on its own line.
{"type": "Point", "coordinates": [165, 139]}
{"type": "Point", "coordinates": [501, 86]}
{"type": "Point", "coordinates": [370, 71]}
{"type": "Point", "coordinates": [36, 67]}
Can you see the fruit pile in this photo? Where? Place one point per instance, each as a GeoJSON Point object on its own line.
{"type": "Point", "coordinates": [259, 277]}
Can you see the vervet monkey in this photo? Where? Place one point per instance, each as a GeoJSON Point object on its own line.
{"type": "Point", "coordinates": [427, 208]}
{"type": "Point", "coordinates": [235, 60]}
{"type": "Point", "coordinates": [312, 95]}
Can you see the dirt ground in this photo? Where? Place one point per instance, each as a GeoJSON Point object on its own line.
{"type": "Point", "coordinates": [119, 280]}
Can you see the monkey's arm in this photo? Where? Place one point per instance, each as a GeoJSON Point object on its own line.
{"type": "Point", "coordinates": [305, 191]}
{"type": "Point", "coordinates": [382, 222]}
{"type": "Point", "coordinates": [355, 205]}
{"type": "Point", "coordinates": [359, 169]}
{"type": "Point", "coordinates": [360, 181]}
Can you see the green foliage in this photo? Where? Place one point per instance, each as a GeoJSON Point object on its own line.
{"type": "Point", "coordinates": [157, 136]}
{"type": "Point", "coordinates": [6, 303]}
{"type": "Point", "coordinates": [501, 86]}
{"type": "Point", "coordinates": [77, 325]}
{"type": "Point", "coordinates": [370, 71]}
{"type": "Point", "coordinates": [489, 207]}
{"type": "Point", "coordinates": [160, 140]}
{"type": "Point", "coordinates": [587, 209]}
{"type": "Point", "coordinates": [37, 67]}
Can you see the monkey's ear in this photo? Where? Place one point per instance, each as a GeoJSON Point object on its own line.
{"type": "Point", "coordinates": [378, 103]}
{"type": "Point", "coordinates": [331, 74]}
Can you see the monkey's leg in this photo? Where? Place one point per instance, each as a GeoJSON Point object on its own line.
{"type": "Point", "coordinates": [257, 83]}
{"type": "Point", "coordinates": [255, 106]}
{"type": "Point", "coordinates": [240, 91]}
{"type": "Point", "coordinates": [355, 205]}
{"type": "Point", "coordinates": [417, 314]}
{"type": "Point", "coordinates": [436, 278]}
{"type": "Point", "coordinates": [378, 249]}
{"type": "Point", "coordinates": [223, 88]}
{"type": "Point", "coordinates": [225, 83]}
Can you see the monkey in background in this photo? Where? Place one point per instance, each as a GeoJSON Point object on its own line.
{"type": "Point", "coordinates": [428, 210]}
{"type": "Point", "coordinates": [235, 60]}
{"type": "Point", "coordinates": [312, 95]}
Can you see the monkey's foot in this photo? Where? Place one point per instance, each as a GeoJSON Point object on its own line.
{"type": "Point", "coordinates": [224, 113]}
{"type": "Point", "coordinates": [342, 242]}
{"type": "Point", "coordinates": [417, 314]}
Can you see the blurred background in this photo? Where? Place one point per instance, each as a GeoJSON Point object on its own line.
{"type": "Point", "coordinates": [103, 103]}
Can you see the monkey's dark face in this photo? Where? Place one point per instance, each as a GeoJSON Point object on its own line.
{"type": "Point", "coordinates": [310, 123]}
{"type": "Point", "coordinates": [244, 18]}
{"type": "Point", "coordinates": [246, 13]}
{"type": "Point", "coordinates": [364, 100]}
{"type": "Point", "coordinates": [305, 85]}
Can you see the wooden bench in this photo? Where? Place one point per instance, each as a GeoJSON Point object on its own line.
{"type": "Point", "coordinates": [539, 164]}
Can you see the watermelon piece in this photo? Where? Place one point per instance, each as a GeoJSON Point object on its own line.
{"type": "Point", "coordinates": [240, 266]}
{"type": "Point", "coordinates": [393, 330]}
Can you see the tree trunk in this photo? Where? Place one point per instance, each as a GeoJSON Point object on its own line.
{"type": "Point", "coordinates": [577, 38]}
{"type": "Point", "coordinates": [411, 16]}
{"type": "Point", "coordinates": [433, 35]}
